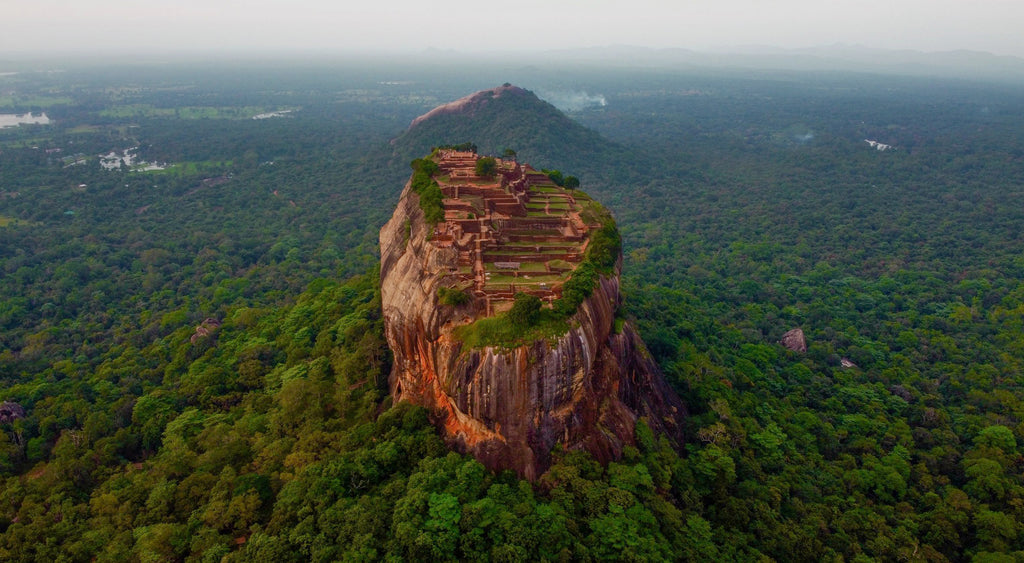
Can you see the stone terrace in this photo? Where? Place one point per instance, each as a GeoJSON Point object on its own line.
{"type": "Point", "coordinates": [515, 232]}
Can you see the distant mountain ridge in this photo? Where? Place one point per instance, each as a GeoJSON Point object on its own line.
{"type": "Point", "coordinates": [975, 65]}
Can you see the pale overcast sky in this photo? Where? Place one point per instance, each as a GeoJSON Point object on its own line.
{"type": "Point", "coordinates": [521, 25]}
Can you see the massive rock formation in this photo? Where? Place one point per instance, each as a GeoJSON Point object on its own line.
{"type": "Point", "coordinates": [471, 103]}
{"type": "Point", "coordinates": [510, 407]}
{"type": "Point", "coordinates": [509, 116]}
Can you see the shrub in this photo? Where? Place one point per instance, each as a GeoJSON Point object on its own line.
{"type": "Point", "coordinates": [486, 166]}
{"type": "Point", "coordinates": [452, 296]}
{"type": "Point", "coordinates": [602, 253]}
{"type": "Point", "coordinates": [501, 332]}
{"type": "Point", "coordinates": [430, 193]}
{"type": "Point", "coordinates": [463, 147]}
{"type": "Point", "coordinates": [525, 310]}
{"type": "Point", "coordinates": [555, 176]}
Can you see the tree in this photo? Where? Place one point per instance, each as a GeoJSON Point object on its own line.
{"type": "Point", "coordinates": [486, 166]}
{"type": "Point", "coordinates": [999, 437]}
{"type": "Point", "coordinates": [452, 296]}
{"type": "Point", "coordinates": [555, 176]}
{"type": "Point", "coordinates": [572, 182]}
{"type": "Point", "coordinates": [525, 310]}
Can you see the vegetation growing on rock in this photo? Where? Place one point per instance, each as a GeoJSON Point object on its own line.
{"type": "Point", "coordinates": [426, 187]}
{"type": "Point", "coordinates": [486, 166]}
{"type": "Point", "coordinates": [452, 296]}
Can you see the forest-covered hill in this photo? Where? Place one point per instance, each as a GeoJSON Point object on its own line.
{"type": "Point", "coordinates": [193, 362]}
{"type": "Point", "coordinates": [510, 118]}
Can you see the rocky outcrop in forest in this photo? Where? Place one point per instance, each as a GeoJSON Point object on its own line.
{"type": "Point", "coordinates": [794, 340]}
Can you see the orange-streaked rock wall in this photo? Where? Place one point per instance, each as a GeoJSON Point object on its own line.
{"type": "Point", "coordinates": [509, 408]}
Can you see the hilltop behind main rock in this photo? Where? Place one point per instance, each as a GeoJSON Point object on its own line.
{"type": "Point", "coordinates": [510, 117]}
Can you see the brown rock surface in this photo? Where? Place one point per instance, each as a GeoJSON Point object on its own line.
{"type": "Point", "coordinates": [509, 408]}
{"type": "Point", "coordinates": [10, 411]}
{"type": "Point", "coordinates": [794, 340]}
{"type": "Point", "coordinates": [467, 103]}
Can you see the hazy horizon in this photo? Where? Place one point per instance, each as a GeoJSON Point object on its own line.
{"type": "Point", "coordinates": [261, 26]}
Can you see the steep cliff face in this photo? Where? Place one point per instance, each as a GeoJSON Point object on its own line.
{"type": "Point", "coordinates": [509, 407]}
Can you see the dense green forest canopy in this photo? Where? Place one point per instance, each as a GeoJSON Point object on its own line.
{"type": "Point", "coordinates": [192, 364]}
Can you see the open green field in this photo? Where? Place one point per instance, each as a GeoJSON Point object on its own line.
{"type": "Point", "coordinates": [546, 190]}
{"type": "Point", "coordinates": [553, 231]}
{"type": "Point", "coordinates": [527, 245]}
{"type": "Point", "coordinates": [82, 129]}
{"type": "Point", "coordinates": [560, 264]}
{"type": "Point", "coordinates": [11, 102]}
{"type": "Point", "coordinates": [500, 281]}
{"type": "Point", "coordinates": [12, 222]}
{"type": "Point", "coordinates": [23, 143]}
{"type": "Point", "coordinates": [87, 129]}
{"type": "Point", "coordinates": [188, 112]}
{"type": "Point", "coordinates": [523, 267]}
{"type": "Point", "coordinates": [188, 168]}
{"type": "Point", "coordinates": [511, 255]}
{"type": "Point", "coordinates": [542, 206]}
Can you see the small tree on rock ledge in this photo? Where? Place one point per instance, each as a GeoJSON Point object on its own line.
{"type": "Point", "coordinates": [486, 166]}
{"type": "Point", "coordinates": [525, 310]}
